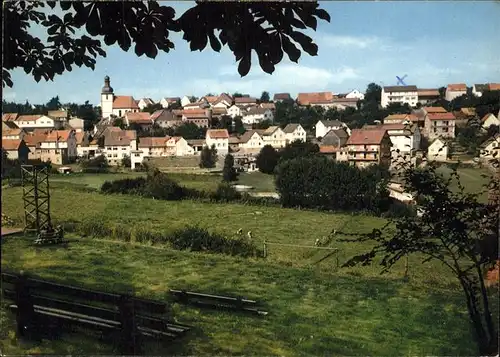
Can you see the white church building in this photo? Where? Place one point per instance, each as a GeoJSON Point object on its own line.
{"type": "Point", "coordinates": [116, 105]}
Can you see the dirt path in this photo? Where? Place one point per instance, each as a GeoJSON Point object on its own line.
{"type": "Point", "coordinates": [8, 231]}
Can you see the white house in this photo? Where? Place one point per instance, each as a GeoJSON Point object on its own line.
{"type": "Point", "coordinates": [489, 120]}
{"type": "Point", "coordinates": [219, 138]}
{"type": "Point", "coordinates": [355, 94]}
{"type": "Point", "coordinates": [438, 150]}
{"type": "Point", "coordinates": [59, 147]}
{"type": "Point", "coordinates": [399, 94]}
{"type": "Point", "coordinates": [256, 115]}
{"type": "Point", "coordinates": [37, 121]}
{"type": "Point", "coordinates": [491, 148]}
{"type": "Point", "coordinates": [324, 126]}
{"type": "Point", "coordinates": [144, 102]}
{"type": "Point", "coordinates": [236, 111]}
{"type": "Point", "coordinates": [478, 89]}
{"type": "Point", "coordinates": [136, 158]}
{"type": "Point", "coordinates": [455, 90]}
{"type": "Point", "coordinates": [185, 101]}
{"type": "Point", "coordinates": [117, 105]}
{"type": "Point", "coordinates": [167, 102]}
{"type": "Point", "coordinates": [274, 136]}
{"type": "Point", "coordinates": [251, 140]}
{"type": "Point", "coordinates": [294, 132]}
{"type": "Point", "coordinates": [223, 101]}
{"type": "Point", "coordinates": [164, 146]}
{"type": "Point", "coordinates": [118, 144]}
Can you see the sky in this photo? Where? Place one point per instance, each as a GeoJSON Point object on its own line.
{"type": "Point", "coordinates": [433, 43]}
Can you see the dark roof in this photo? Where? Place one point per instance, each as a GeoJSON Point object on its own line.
{"type": "Point", "coordinates": [282, 96]}
{"type": "Point", "coordinates": [256, 110]}
{"type": "Point", "coordinates": [400, 89]}
{"type": "Point", "coordinates": [341, 133]}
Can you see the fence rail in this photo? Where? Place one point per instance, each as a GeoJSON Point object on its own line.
{"type": "Point", "coordinates": [331, 249]}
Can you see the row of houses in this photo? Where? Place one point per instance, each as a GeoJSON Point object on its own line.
{"type": "Point", "coordinates": [412, 95]}
{"type": "Point", "coordinates": [57, 119]}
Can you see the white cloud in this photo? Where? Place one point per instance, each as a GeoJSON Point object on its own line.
{"type": "Point", "coordinates": [349, 41]}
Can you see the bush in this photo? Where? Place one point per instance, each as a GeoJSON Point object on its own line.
{"type": "Point", "coordinates": [133, 186]}
{"type": "Point", "coordinates": [226, 193]}
{"type": "Point", "coordinates": [399, 209]}
{"type": "Point", "coordinates": [267, 159]}
{"type": "Point", "coordinates": [160, 186]}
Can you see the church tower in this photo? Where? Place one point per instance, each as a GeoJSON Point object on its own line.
{"type": "Point", "coordinates": [107, 97]}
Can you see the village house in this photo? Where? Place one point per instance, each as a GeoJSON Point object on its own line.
{"type": "Point", "coordinates": [142, 119]}
{"type": "Point", "coordinates": [354, 94]}
{"type": "Point", "coordinates": [9, 117]}
{"type": "Point", "coordinates": [324, 126]}
{"type": "Point", "coordinates": [77, 124]}
{"type": "Point", "coordinates": [493, 86]}
{"type": "Point", "coordinates": [236, 111]}
{"type": "Point", "coordinates": [37, 121]}
{"type": "Point", "coordinates": [439, 124]}
{"type": "Point", "coordinates": [234, 143]}
{"type": "Point", "coordinates": [200, 117]}
{"type": "Point", "coordinates": [209, 99]}
{"type": "Point", "coordinates": [426, 96]}
{"type": "Point", "coordinates": [401, 118]}
{"type": "Point", "coordinates": [33, 141]}
{"type": "Point", "coordinates": [13, 134]}
{"type": "Point", "coordinates": [145, 102]}
{"type": "Point", "coordinates": [118, 144]}
{"type": "Point", "coordinates": [270, 106]}
{"type": "Point", "coordinates": [58, 115]}
{"type": "Point", "coordinates": [166, 118]}
{"type": "Point", "coordinates": [185, 101]}
{"type": "Point", "coordinates": [256, 115]}
{"type": "Point", "coordinates": [168, 102]}
{"type": "Point", "coordinates": [245, 101]}
{"type": "Point", "coordinates": [164, 146]}
{"type": "Point", "coordinates": [369, 147]}
{"type": "Point", "coordinates": [59, 147]}
{"type": "Point", "coordinates": [399, 94]}
{"type": "Point", "coordinates": [84, 147]}
{"type": "Point", "coordinates": [316, 99]}
{"type": "Point", "coordinates": [282, 97]}
{"type": "Point", "coordinates": [116, 105]}
{"type": "Point", "coordinates": [275, 137]}
{"type": "Point", "coordinates": [489, 120]}
{"type": "Point", "coordinates": [455, 90]}
{"type": "Point", "coordinates": [196, 145]}
{"type": "Point", "coordinates": [219, 138]}
{"type": "Point", "coordinates": [16, 149]}
{"type": "Point", "coordinates": [405, 140]}
{"type": "Point", "coordinates": [335, 138]}
{"type": "Point", "coordinates": [218, 112]}
{"type": "Point", "coordinates": [223, 101]}
{"type": "Point", "coordinates": [196, 105]}
{"type": "Point", "coordinates": [294, 132]}
{"type": "Point", "coordinates": [342, 103]}
{"type": "Point", "coordinates": [438, 150]}
{"type": "Point", "coordinates": [251, 139]}
{"type": "Point", "coordinates": [490, 148]}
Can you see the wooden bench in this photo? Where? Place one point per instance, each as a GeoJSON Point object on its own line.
{"type": "Point", "coordinates": [42, 305]}
{"type": "Point", "coordinates": [216, 301]}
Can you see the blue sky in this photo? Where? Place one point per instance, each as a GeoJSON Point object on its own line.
{"type": "Point", "coordinates": [434, 43]}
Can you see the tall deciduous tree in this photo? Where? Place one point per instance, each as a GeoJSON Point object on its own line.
{"type": "Point", "coordinates": [229, 173]}
{"type": "Point", "coordinates": [373, 93]}
{"type": "Point", "coordinates": [54, 103]}
{"type": "Point", "coordinates": [267, 159]}
{"type": "Point", "coordinates": [239, 128]}
{"type": "Point", "coordinates": [208, 157]}
{"type": "Point", "coordinates": [269, 29]}
{"type": "Point", "coordinates": [264, 97]}
{"type": "Point", "coordinates": [455, 229]}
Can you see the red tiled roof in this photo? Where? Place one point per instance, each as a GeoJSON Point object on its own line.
{"type": "Point", "coordinates": [57, 113]}
{"type": "Point", "coordinates": [441, 116]}
{"type": "Point", "coordinates": [58, 135]}
{"type": "Point", "coordinates": [147, 142]}
{"type": "Point", "coordinates": [245, 100]}
{"type": "Point", "coordinates": [385, 126]}
{"type": "Point", "coordinates": [10, 132]}
{"type": "Point", "coordinates": [124, 102]}
{"type": "Point", "coordinates": [9, 116]}
{"type": "Point", "coordinates": [434, 109]}
{"type": "Point", "coordinates": [328, 149]}
{"type": "Point", "coordinates": [457, 87]}
{"type": "Point", "coordinates": [138, 117]}
{"type": "Point", "coordinates": [32, 117]}
{"type": "Point", "coordinates": [218, 133]}
{"type": "Point", "coordinates": [494, 86]}
{"type": "Point", "coordinates": [366, 136]}
{"type": "Point", "coordinates": [11, 144]}
{"type": "Point", "coordinates": [428, 92]}
{"type": "Point", "coordinates": [35, 139]}
{"type": "Point", "coordinates": [314, 98]}
{"type": "Point", "coordinates": [211, 98]}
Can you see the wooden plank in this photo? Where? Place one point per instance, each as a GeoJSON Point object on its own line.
{"type": "Point", "coordinates": [225, 306]}
{"type": "Point", "coordinates": [209, 296]}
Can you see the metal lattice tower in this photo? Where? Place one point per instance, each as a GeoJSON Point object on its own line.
{"type": "Point", "coordinates": [36, 197]}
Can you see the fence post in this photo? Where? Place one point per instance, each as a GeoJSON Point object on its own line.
{"type": "Point", "coordinates": [130, 343]}
{"type": "Point", "coordinates": [25, 314]}
{"type": "Point", "coordinates": [265, 250]}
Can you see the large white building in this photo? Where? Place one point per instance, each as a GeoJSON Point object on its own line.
{"type": "Point", "coordinates": [399, 94]}
{"type": "Point", "coordinates": [219, 138]}
{"type": "Point", "coordinates": [324, 126]}
{"type": "Point", "coordinates": [117, 105]}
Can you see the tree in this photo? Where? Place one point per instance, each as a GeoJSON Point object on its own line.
{"type": "Point", "coordinates": [126, 161]}
{"type": "Point", "coordinates": [455, 229]}
{"type": "Point", "coordinates": [119, 122]}
{"type": "Point", "coordinates": [264, 97]}
{"type": "Point", "coordinates": [269, 30]}
{"type": "Point", "coordinates": [229, 173]}
{"type": "Point", "coordinates": [53, 104]}
{"type": "Point", "coordinates": [208, 157]}
{"type": "Point", "coordinates": [267, 159]}
{"type": "Point", "coordinates": [239, 128]}
{"type": "Point", "coordinates": [151, 108]}
{"type": "Point", "coordinates": [373, 93]}
{"type": "Point", "coordinates": [298, 148]}
{"type": "Point", "coordinates": [237, 95]}
{"type": "Point", "coordinates": [262, 124]}
{"type": "Point", "coordinates": [190, 131]}
{"type": "Point", "coordinates": [226, 122]}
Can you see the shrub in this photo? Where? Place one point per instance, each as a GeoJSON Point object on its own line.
{"type": "Point", "coordinates": [267, 159]}
{"type": "Point", "coordinates": [94, 228]}
{"type": "Point", "coordinates": [160, 186]}
{"type": "Point", "coordinates": [226, 193]}
{"type": "Point", "coordinates": [133, 186]}
{"type": "Point", "coordinates": [229, 173]}
{"type": "Point", "coordinates": [399, 209]}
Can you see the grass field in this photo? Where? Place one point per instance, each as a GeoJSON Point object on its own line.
{"type": "Point", "coordinates": [314, 309]}
{"type": "Point", "coordinates": [261, 182]}
{"type": "Point", "coordinates": [471, 178]}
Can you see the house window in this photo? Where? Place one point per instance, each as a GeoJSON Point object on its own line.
{"type": "Point", "coordinates": [115, 148]}
{"type": "Point", "coordinates": [115, 155]}
{"type": "Point", "coordinates": [109, 155]}
{"type": "Point", "coordinates": [124, 148]}
{"type": "Point", "coordinates": [119, 113]}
